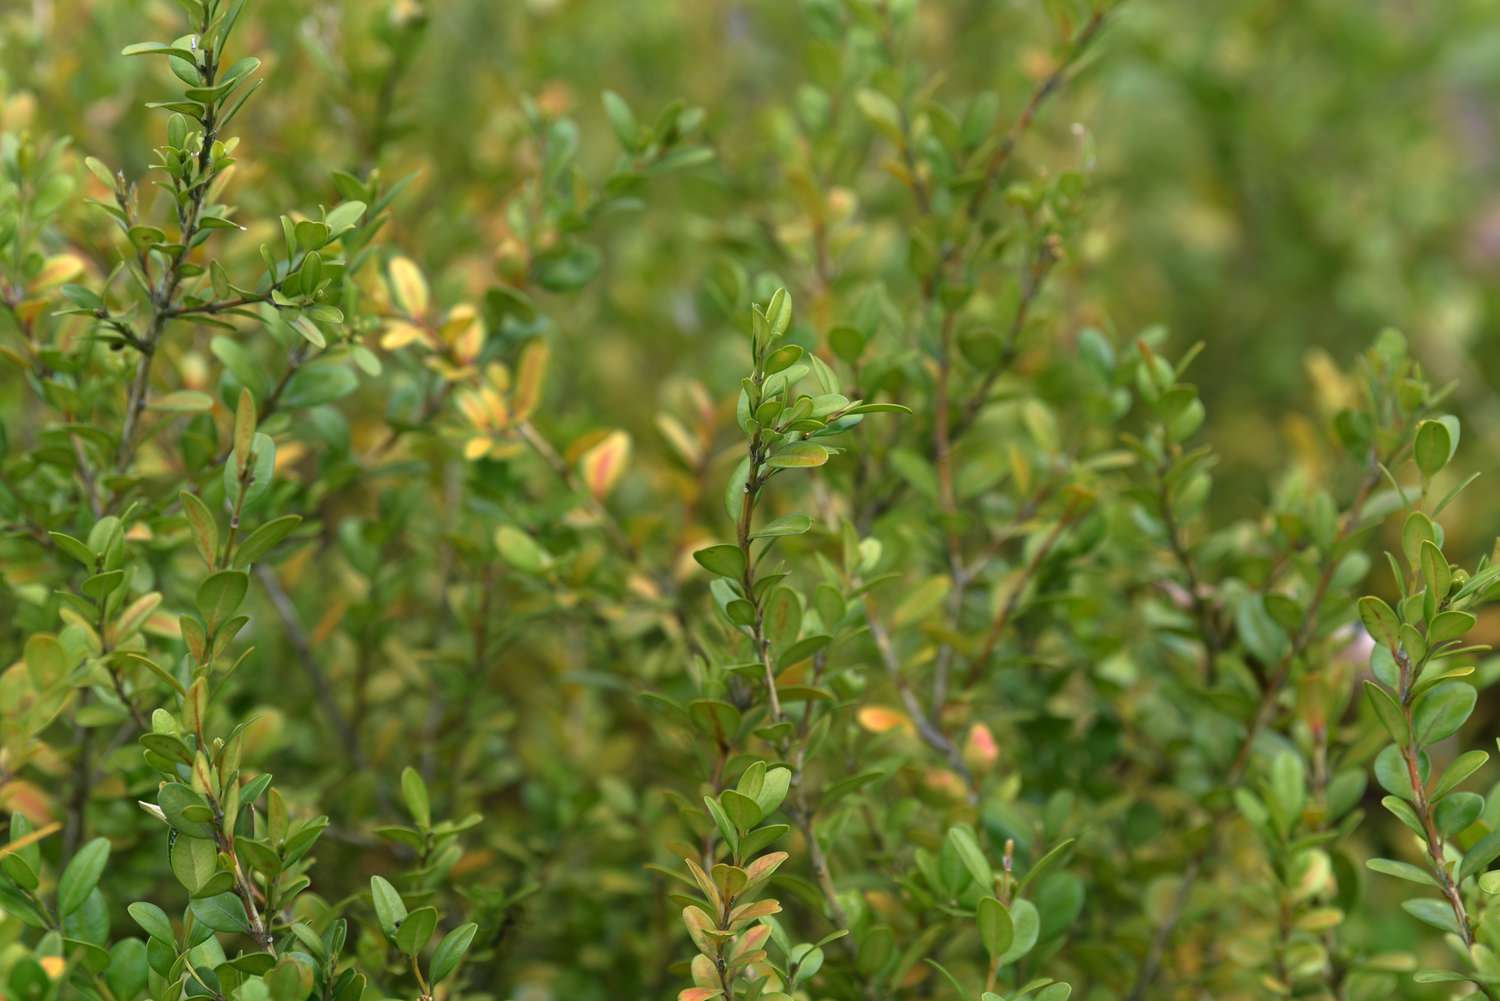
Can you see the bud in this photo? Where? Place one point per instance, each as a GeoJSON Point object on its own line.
{"type": "Point", "coordinates": [980, 750]}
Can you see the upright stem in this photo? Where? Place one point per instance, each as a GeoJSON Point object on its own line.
{"type": "Point", "coordinates": [1150, 965]}
{"type": "Point", "coordinates": [1207, 631]}
{"type": "Point", "coordinates": [753, 481]}
{"type": "Point", "coordinates": [189, 216]}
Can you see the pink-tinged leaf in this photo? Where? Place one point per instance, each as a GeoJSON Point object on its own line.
{"type": "Point", "coordinates": [761, 869]}
{"type": "Point", "coordinates": [755, 937]}
{"type": "Point", "coordinates": [980, 750]}
{"type": "Point", "coordinates": [698, 993]}
{"type": "Point", "coordinates": [604, 463]}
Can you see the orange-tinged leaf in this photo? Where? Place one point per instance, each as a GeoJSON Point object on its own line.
{"type": "Point", "coordinates": [30, 839]}
{"type": "Point", "coordinates": [761, 869]}
{"type": "Point", "coordinates": [28, 800]}
{"type": "Point", "coordinates": [880, 719]}
{"type": "Point", "coordinates": [746, 913]}
{"type": "Point", "coordinates": [755, 937]}
{"type": "Point", "coordinates": [59, 268]}
{"type": "Point", "coordinates": [604, 463]}
{"type": "Point", "coordinates": [164, 624]}
{"type": "Point", "coordinates": [698, 993]}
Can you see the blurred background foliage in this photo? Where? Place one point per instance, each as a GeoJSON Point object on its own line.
{"type": "Point", "coordinates": [1280, 179]}
{"type": "Point", "coordinates": [1277, 180]}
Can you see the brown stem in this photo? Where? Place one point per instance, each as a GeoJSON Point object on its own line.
{"type": "Point", "coordinates": [1043, 259]}
{"type": "Point", "coordinates": [286, 610]}
{"type": "Point", "coordinates": [1049, 85]}
{"type": "Point", "coordinates": [1013, 597]}
{"type": "Point", "coordinates": [1207, 631]}
{"type": "Point", "coordinates": [188, 218]}
{"type": "Point", "coordinates": [542, 447]}
{"type": "Point", "coordinates": [753, 481]}
{"type": "Point", "coordinates": [928, 730]}
{"type": "Point", "coordinates": [1151, 963]}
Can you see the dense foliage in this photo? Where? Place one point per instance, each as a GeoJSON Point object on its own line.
{"type": "Point", "coordinates": [467, 533]}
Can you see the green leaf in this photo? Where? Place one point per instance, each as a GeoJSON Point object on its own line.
{"type": "Point", "coordinates": [128, 972]}
{"type": "Point", "coordinates": [153, 920]}
{"type": "Point", "coordinates": [264, 538]}
{"type": "Point", "coordinates": [205, 527]}
{"type": "Point", "coordinates": [223, 912]}
{"type": "Point", "coordinates": [791, 524]}
{"type": "Point", "coordinates": [414, 792]}
{"type": "Point", "coordinates": [996, 930]}
{"type": "Point", "coordinates": [798, 455]}
{"type": "Point", "coordinates": [1379, 619]}
{"type": "Point", "coordinates": [773, 790]}
{"type": "Point", "coordinates": [1480, 855]}
{"type": "Point", "coordinates": [621, 120]}
{"type": "Point", "coordinates": [972, 856]}
{"type": "Point", "coordinates": [722, 560]}
{"type": "Point", "coordinates": [46, 661]}
{"type": "Point", "coordinates": [521, 551]}
{"type": "Point", "coordinates": [264, 471]}
{"type": "Point", "coordinates": [1451, 625]}
{"type": "Point", "coordinates": [723, 823]}
{"type": "Point", "coordinates": [881, 112]}
{"type": "Point", "coordinates": [1028, 924]}
{"type": "Point", "coordinates": [1463, 766]}
{"type": "Point", "coordinates": [81, 876]}
{"type": "Point", "coordinates": [450, 952]}
{"type": "Point", "coordinates": [194, 861]}
{"type": "Point", "coordinates": [878, 408]}
{"type": "Point", "coordinates": [219, 596]}
{"type": "Point", "coordinates": [1435, 570]}
{"type": "Point", "coordinates": [186, 401]}
{"type": "Point", "coordinates": [1433, 448]}
{"type": "Point", "coordinates": [72, 547]}
{"type": "Point", "coordinates": [567, 268]}
{"type": "Point", "coordinates": [1442, 710]}
{"type": "Point", "coordinates": [344, 216]}
{"type": "Point", "coordinates": [1388, 712]}
{"type": "Point", "coordinates": [160, 49]}
{"type": "Point", "coordinates": [782, 358]}
{"type": "Point", "coordinates": [315, 385]}
{"type": "Point", "coordinates": [744, 811]}
{"type": "Point", "coordinates": [1433, 912]}
{"type": "Point", "coordinates": [185, 809]}
{"type": "Point", "coordinates": [416, 929]}
{"type": "Point", "coordinates": [389, 908]}
{"type": "Point", "coordinates": [1401, 870]}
